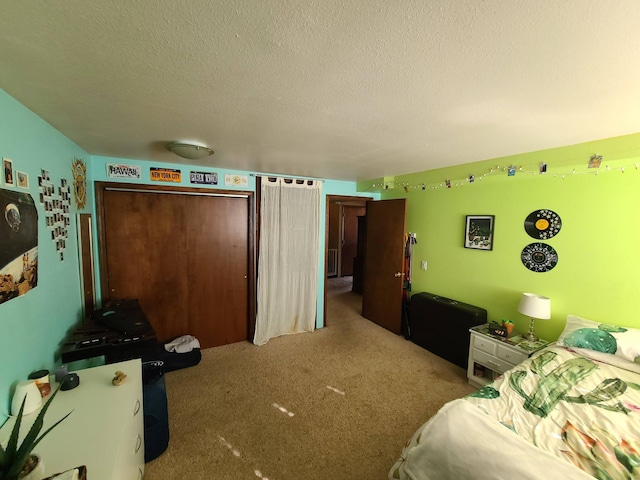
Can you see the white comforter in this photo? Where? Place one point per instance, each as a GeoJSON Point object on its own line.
{"type": "Point", "coordinates": [461, 442]}
{"type": "Point", "coordinates": [550, 412]}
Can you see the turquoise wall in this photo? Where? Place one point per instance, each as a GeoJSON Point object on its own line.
{"type": "Point", "coordinates": [33, 324]}
{"type": "Point", "coordinates": [599, 259]}
{"type": "Point", "coordinates": [329, 187]}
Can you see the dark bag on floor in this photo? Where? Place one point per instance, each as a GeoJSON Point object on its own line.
{"type": "Point", "coordinates": [156, 412]}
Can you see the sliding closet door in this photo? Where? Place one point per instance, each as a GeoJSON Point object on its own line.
{"type": "Point", "coordinates": [184, 257]}
{"type": "Point", "coordinates": [217, 262]}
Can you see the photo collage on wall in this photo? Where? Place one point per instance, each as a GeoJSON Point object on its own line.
{"type": "Point", "coordinates": [56, 202]}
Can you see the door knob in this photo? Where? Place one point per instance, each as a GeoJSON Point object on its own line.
{"type": "Point", "coordinates": [398, 274]}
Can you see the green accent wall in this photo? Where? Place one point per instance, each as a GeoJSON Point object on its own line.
{"type": "Point", "coordinates": [598, 246]}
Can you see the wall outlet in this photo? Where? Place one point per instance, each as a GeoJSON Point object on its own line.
{"type": "Point", "coordinates": [423, 265]}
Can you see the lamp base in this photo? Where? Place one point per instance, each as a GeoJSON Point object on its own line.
{"type": "Point", "coordinates": [530, 336]}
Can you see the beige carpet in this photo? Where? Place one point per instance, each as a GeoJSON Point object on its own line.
{"type": "Point", "coordinates": [338, 403]}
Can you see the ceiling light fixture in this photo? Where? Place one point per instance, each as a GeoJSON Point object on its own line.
{"type": "Point", "coordinates": [189, 150]}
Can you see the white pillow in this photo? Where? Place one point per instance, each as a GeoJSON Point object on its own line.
{"type": "Point", "coordinates": [601, 337]}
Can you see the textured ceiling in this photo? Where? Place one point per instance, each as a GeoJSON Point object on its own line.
{"type": "Point", "coordinates": [327, 88]}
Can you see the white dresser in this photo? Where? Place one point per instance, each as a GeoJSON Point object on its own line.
{"type": "Point", "coordinates": [491, 356]}
{"type": "Point", "coordinates": [105, 432]}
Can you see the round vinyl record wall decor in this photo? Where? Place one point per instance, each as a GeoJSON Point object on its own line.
{"type": "Point", "coordinates": [539, 257]}
{"type": "Point", "coordinates": [543, 224]}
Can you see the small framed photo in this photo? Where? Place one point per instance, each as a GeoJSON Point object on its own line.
{"type": "Point", "coordinates": [595, 161]}
{"type": "Point", "coordinates": [478, 232]}
{"type": "Point", "coordinates": [23, 179]}
{"type": "Point", "coordinates": [7, 169]}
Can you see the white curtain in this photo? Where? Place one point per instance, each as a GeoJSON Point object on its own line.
{"type": "Point", "coordinates": [288, 258]}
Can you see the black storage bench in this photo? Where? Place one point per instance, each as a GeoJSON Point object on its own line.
{"type": "Point", "coordinates": [441, 325]}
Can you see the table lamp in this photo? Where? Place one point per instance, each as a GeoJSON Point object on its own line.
{"type": "Point", "coordinates": [534, 306]}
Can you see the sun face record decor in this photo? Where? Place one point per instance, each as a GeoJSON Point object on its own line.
{"type": "Point", "coordinates": [539, 257]}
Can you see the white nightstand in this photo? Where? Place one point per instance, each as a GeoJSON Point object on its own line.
{"type": "Point", "coordinates": [491, 356]}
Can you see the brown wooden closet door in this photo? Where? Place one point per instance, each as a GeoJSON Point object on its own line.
{"type": "Point", "coordinates": [185, 258]}
{"type": "Point", "coordinates": [217, 262]}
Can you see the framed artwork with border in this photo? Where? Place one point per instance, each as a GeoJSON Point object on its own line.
{"type": "Point", "coordinates": [23, 179]}
{"type": "Point", "coordinates": [478, 232]}
{"type": "Point", "coordinates": [7, 166]}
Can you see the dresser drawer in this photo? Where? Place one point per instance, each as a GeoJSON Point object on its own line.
{"type": "Point", "coordinates": [491, 362]}
{"type": "Point", "coordinates": [509, 355]}
{"type": "Point", "coordinates": [484, 344]}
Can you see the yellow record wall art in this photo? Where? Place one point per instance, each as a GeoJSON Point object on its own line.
{"type": "Point", "coordinates": [543, 224]}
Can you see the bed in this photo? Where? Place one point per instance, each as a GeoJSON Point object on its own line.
{"type": "Point", "coordinates": [571, 411]}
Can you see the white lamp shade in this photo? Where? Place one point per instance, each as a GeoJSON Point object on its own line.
{"type": "Point", "coordinates": [32, 402]}
{"type": "Point", "coordinates": [190, 150]}
{"type": "Point", "coordinates": [535, 306]}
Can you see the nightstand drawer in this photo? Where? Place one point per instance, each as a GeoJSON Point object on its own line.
{"type": "Point", "coordinates": [485, 344]}
{"type": "Point", "coordinates": [490, 361]}
{"type": "Point", "coordinates": [510, 355]}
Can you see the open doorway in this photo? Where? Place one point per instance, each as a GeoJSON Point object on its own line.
{"type": "Point", "coordinates": [344, 255]}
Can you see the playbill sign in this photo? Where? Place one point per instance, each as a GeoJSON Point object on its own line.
{"type": "Point", "coordinates": [165, 175]}
{"type": "Point", "coordinates": [116, 170]}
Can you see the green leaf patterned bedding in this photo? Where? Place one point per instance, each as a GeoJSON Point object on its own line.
{"type": "Point", "coordinates": [578, 409]}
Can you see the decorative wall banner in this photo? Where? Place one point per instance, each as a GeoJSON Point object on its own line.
{"type": "Point", "coordinates": [119, 170]}
{"type": "Point", "coordinates": [236, 180]}
{"type": "Point", "coordinates": [204, 178]}
{"type": "Point", "coordinates": [18, 244]}
{"type": "Point", "coordinates": [79, 174]}
{"type": "Point", "coordinates": [165, 175]}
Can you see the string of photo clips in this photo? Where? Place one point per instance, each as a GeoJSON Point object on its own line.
{"type": "Point", "coordinates": [511, 170]}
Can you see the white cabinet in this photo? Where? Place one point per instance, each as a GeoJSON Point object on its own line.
{"type": "Point", "coordinates": [105, 430]}
{"type": "Point", "coordinates": [491, 356]}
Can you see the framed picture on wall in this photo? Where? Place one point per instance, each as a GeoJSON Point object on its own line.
{"type": "Point", "coordinates": [8, 172]}
{"type": "Point", "coordinates": [478, 232]}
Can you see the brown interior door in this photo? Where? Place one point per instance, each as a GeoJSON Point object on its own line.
{"type": "Point", "coordinates": [384, 263]}
{"type": "Point", "coordinates": [184, 257]}
{"type": "Point", "coordinates": [350, 238]}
